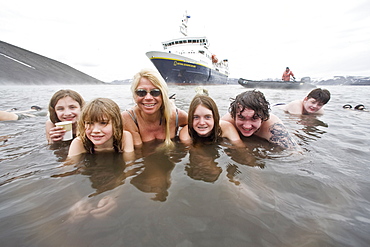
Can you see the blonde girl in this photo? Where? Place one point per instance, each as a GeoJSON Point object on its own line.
{"type": "Point", "coordinates": [100, 128]}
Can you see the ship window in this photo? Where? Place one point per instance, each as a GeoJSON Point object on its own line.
{"type": "Point", "coordinates": [201, 52]}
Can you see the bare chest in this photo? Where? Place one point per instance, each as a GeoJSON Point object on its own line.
{"type": "Point", "coordinates": [149, 132]}
{"type": "Point", "coordinates": [152, 131]}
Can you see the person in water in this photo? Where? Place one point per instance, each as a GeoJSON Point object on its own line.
{"type": "Point", "coordinates": [64, 105]}
{"type": "Point", "coordinates": [18, 115]}
{"type": "Point", "coordinates": [312, 104]}
{"type": "Point", "coordinates": [100, 129]}
{"type": "Point", "coordinates": [286, 75]}
{"type": "Point", "coordinates": [249, 113]}
{"type": "Point", "coordinates": [357, 107]}
{"type": "Point", "coordinates": [205, 125]}
{"type": "Point", "coordinates": [153, 117]}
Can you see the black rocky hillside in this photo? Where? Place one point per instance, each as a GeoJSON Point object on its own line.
{"type": "Point", "coordinates": [19, 66]}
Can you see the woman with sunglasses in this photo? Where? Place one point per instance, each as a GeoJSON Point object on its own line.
{"type": "Point", "coordinates": [153, 117]}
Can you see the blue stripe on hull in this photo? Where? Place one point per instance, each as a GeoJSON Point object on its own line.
{"type": "Point", "coordinates": [179, 72]}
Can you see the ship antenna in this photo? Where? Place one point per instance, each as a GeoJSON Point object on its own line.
{"type": "Point", "coordinates": [184, 24]}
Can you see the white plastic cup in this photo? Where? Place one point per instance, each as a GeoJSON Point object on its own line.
{"type": "Point", "coordinates": [67, 126]}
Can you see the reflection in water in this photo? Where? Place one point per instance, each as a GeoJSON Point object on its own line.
{"type": "Point", "coordinates": [60, 149]}
{"type": "Point", "coordinates": [155, 176]}
{"type": "Point", "coordinates": [256, 150]}
{"type": "Point", "coordinates": [310, 128]}
{"type": "Point", "coordinates": [203, 165]}
{"type": "Point", "coordinates": [232, 172]}
{"type": "Point", "coordinates": [106, 171]}
{"type": "Point", "coordinates": [155, 166]}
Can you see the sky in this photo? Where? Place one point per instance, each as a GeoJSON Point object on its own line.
{"type": "Point", "coordinates": [108, 39]}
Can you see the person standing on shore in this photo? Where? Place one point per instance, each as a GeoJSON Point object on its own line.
{"type": "Point", "coordinates": [286, 75]}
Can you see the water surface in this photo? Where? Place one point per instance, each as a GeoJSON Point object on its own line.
{"type": "Point", "coordinates": [212, 196]}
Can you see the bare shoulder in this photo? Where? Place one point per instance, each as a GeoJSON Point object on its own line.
{"type": "Point", "coordinates": [125, 115]}
{"type": "Point", "coordinates": [128, 122]}
{"type": "Point", "coordinates": [226, 124]}
{"type": "Point", "coordinates": [229, 131]}
{"type": "Point", "coordinates": [49, 124]}
{"type": "Point", "coordinates": [294, 107]}
{"type": "Point", "coordinates": [227, 117]}
{"type": "Point", "coordinates": [183, 117]}
{"type": "Point", "coordinates": [76, 147]}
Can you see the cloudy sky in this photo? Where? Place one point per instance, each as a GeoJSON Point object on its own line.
{"type": "Point", "coordinates": [108, 39]}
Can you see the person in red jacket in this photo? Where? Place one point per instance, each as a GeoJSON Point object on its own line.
{"type": "Point", "coordinates": [287, 73]}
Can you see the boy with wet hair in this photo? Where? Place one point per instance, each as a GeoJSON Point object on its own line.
{"type": "Point", "coordinates": [311, 104]}
{"type": "Point", "coordinates": [249, 113]}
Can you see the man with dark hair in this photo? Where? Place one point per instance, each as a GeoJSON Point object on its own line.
{"type": "Point", "coordinates": [249, 113]}
{"type": "Point", "coordinates": [311, 104]}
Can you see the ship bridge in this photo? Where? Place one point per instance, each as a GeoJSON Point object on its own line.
{"type": "Point", "coordinates": [202, 41]}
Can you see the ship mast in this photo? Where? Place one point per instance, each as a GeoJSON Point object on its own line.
{"type": "Point", "coordinates": [184, 24]}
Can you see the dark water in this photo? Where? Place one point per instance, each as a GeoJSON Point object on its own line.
{"type": "Point", "coordinates": [210, 196]}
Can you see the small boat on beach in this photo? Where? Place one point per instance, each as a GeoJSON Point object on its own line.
{"type": "Point", "coordinates": [276, 84]}
{"type": "Point", "coordinates": [188, 60]}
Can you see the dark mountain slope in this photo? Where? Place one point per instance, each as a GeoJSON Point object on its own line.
{"type": "Point", "coordinates": [20, 66]}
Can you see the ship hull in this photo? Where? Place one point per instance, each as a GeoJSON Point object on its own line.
{"type": "Point", "coordinates": [177, 69]}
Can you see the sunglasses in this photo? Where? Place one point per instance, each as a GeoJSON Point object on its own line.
{"type": "Point", "coordinates": [142, 92]}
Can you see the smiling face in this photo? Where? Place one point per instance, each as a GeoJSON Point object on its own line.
{"type": "Point", "coordinates": [67, 109]}
{"type": "Point", "coordinates": [311, 105]}
{"type": "Point", "coordinates": [100, 134]}
{"type": "Point", "coordinates": [203, 121]}
{"type": "Point", "coordinates": [247, 122]}
{"type": "Point", "coordinates": [148, 103]}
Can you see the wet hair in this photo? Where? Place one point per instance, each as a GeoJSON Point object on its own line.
{"type": "Point", "coordinates": [253, 100]}
{"type": "Point", "coordinates": [60, 95]}
{"type": "Point", "coordinates": [208, 103]}
{"type": "Point", "coordinates": [360, 107]}
{"type": "Point", "coordinates": [347, 106]}
{"type": "Point", "coordinates": [321, 95]}
{"type": "Point", "coordinates": [35, 107]}
{"type": "Point", "coordinates": [166, 108]}
{"type": "Point", "coordinates": [101, 110]}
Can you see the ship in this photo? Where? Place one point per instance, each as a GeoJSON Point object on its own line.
{"type": "Point", "coordinates": [188, 60]}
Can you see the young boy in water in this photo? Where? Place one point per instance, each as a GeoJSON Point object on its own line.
{"type": "Point", "coordinates": [311, 104]}
{"type": "Point", "coordinates": [249, 113]}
